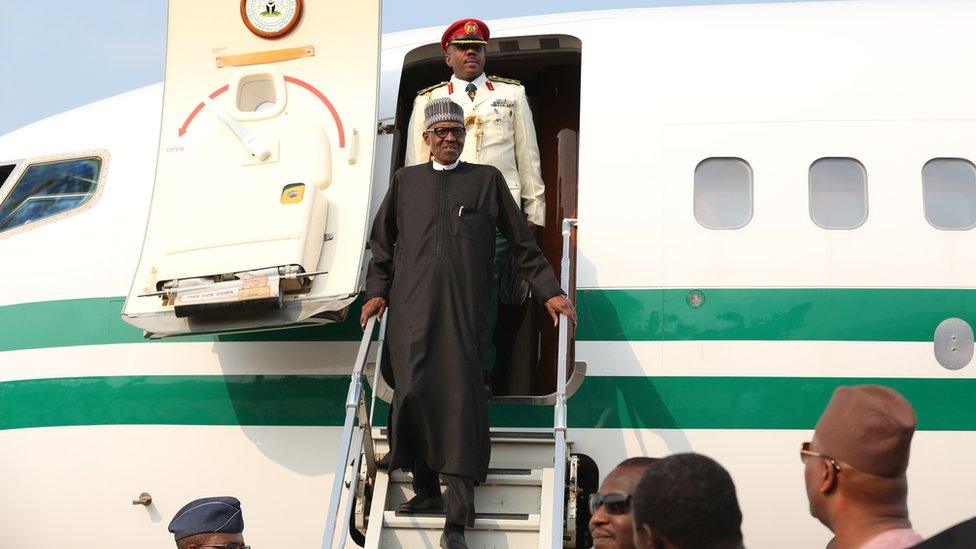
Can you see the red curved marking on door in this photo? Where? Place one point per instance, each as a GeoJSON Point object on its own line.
{"type": "Point", "coordinates": [328, 104]}
{"type": "Point", "coordinates": [293, 80]}
{"type": "Point", "coordinates": [198, 108]}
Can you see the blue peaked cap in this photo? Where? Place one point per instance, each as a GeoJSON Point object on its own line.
{"type": "Point", "coordinates": [208, 516]}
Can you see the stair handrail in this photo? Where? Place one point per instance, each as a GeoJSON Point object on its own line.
{"type": "Point", "coordinates": [378, 370]}
{"type": "Point", "coordinates": [559, 410]}
{"type": "Point", "coordinates": [365, 448]}
{"type": "Point", "coordinates": [354, 398]}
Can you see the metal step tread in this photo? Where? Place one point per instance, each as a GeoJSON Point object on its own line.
{"type": "Point", "coordinates": [412, 538]}
{"type": "Point", "coordinates": [496, 436]}
{"type": "Point", "coordinates": [488, 499]}
{"type": "Point", "coordinates": [506, 477]}
{"type": "Point", "coordinates": [482, 521]}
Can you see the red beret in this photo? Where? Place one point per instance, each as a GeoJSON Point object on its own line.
{"type": "Point", "coordinates": [465, 31]}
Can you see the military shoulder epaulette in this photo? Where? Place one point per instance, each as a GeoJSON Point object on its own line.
{"type": "Point", "coordinates": [429, 89]}
{"type": "Point", "coordinates": [505, 80]}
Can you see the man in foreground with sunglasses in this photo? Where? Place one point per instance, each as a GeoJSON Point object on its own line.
{"type": "Point", "coordinates": [854, 468]}
{"type": "Point", "coordinates": [433, 242]}
{"type": "Point", "coordinates": [610, 524]}
{"type": "Point", "coordinates": [209, 523]}
{"type": "Point", "coordinates": [686, 501]}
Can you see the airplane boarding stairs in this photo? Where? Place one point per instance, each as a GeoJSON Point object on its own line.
{"type": "Point", "coordinates": [514, 506]}
{"type": "Point", "coordinates": [529, 497]}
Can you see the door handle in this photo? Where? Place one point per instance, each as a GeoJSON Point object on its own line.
{"type": "Point", "coordinates": [145, 498]}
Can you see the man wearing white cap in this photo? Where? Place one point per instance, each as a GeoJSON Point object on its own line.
{"type": "Point", "coordinates": [500, 133]}
{"type": "Point", "coordinates": [432, 243]}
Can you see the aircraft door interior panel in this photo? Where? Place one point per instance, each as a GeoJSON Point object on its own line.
{"type": "Point", "coordinates": [263, 180]}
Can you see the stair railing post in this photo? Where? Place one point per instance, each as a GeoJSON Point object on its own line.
{"type": "Point", "coordinates": [378, 369]}
{"type": "Point", "coordinates": [353, 398]}
{"type": "Point", "coordinates": [353, 485]}
{"type": "Point", "coordinates": [559, 413]}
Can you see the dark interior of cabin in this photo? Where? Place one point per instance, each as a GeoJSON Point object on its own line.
{"type": "Point", "coordinates": [549, 68]}
{"type": "Point", "coordinates": [5, 172]}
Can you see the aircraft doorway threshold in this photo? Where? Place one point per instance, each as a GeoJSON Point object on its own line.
{"type": "Point", "coordinates": [264, 170]}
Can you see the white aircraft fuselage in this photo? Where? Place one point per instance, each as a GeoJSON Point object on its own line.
{"type": "Point", "coordinates": [726, 342]}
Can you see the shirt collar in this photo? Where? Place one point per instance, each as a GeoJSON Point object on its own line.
{"type": "Point", "coordinates": [460, 84]}
{"type": "Point", "coordinates": [444, 167]}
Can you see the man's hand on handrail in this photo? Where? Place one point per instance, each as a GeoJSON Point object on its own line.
{"type": "Point", "coordinates": [560, 305]}
{"type": "Point", "coordinates": [374, 307]}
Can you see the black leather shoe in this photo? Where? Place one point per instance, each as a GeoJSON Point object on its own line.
{"type": "Point", "coordinates": [383, 463]}
{"type": "Point", "coordinates": [454, 540]}
{"type": "Point", "coordinates": [421, 504]}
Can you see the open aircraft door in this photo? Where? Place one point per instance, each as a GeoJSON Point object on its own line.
{"type": "Point", "coordinates": [260, 208]}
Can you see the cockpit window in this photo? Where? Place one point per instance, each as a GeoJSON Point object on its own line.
{"type": "Point", "coordinates": [49, 188]}
{"type": "Point", "coordinates": [5, 171]}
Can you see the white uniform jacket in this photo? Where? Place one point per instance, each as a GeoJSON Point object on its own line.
{"type": "Point", "coordinates": [500, 133]}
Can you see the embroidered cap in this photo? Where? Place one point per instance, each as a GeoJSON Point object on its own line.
{"type": "Point", "coordinates": [465, 31]}
{"type": "Point", "coordinates": [208, 516]}
{"type": "Point", "coordinates": [869, 427]}
{"type": "Point", "coordinates": [442, 109]}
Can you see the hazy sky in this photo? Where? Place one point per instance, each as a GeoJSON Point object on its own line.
{"type": "Point", "coordinates": [58, 54]}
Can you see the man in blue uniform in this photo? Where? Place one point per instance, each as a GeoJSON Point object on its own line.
{"type": "Point", "coordinates": [209, 523]}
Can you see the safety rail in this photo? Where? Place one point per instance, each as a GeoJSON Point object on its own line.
{"type": "Point", "coordinates": [363, 447]}
{"type": "Point", "coordinates": [559, 411]}
{"type": "Point", "coordinates": [355, 406]}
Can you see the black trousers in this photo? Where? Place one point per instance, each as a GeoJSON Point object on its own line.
{"type": "Point", "coordinates": [460, 492]}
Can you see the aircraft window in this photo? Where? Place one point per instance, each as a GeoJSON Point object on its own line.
{"type": "Point", "coordinates": [48, 189]}
{"type": "Point", "coordinates": [949, 193]}
{"type": "Point", "coordinates": [723, 193]}
{"type": "Point", "coordinates": [838, 193]}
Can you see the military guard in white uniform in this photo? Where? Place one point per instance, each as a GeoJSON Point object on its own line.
{"type": "Point", "coordinates": [500, 132]}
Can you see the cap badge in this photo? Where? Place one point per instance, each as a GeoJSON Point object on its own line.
{"type": "Point", "coordinates": [470, 27]}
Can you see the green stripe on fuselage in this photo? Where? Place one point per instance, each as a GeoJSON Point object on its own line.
{"type": "Point", "coordinates": [773, 314]}
{"type": "Point", "coordinates": [98, 321]}
{"type": "Point", "coordinates": [602, 402]}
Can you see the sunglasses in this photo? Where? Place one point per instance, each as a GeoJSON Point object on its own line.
{"type": "Point", "coordinates": [806, 451]}
{"type": "Point", "coordinates": [615, 504]}
{"type": "Point", "coordinates": [458, 133]}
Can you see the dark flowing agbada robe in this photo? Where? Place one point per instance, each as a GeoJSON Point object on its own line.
{"type": "Point", "coordinates": [433, 242]}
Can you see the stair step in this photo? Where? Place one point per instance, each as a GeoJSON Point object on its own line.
{"type": "Point", "coordinates": [505, 477]}
{"type": "Point", "coordinates": [482, 521]}
{"type": "Point", "coordinates": [412, 538]}
{"type": "Point", "coordinates": [525, 436]}
{"type": "Point", "coordinates": [519, 453]}
{"type": "Point", "coordinates": [497, 498]}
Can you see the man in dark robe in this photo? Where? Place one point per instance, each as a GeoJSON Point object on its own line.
{"type": "Point", "coordinates": [433, 243]}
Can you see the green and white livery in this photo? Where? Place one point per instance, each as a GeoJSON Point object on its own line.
{"type": "Point", "coordinates": [773, 200]}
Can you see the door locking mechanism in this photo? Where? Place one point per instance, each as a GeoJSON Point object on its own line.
{"type": "Point", "coordinates": [145, 498]}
